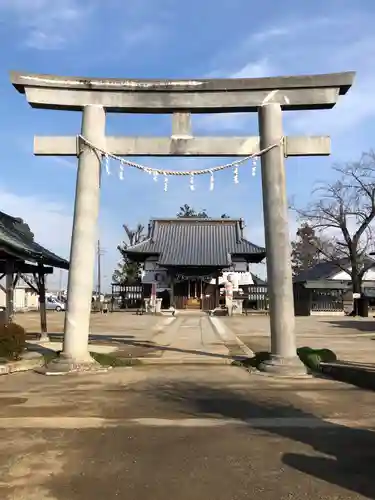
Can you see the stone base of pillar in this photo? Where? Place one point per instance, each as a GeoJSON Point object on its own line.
{"type": "Point", "coordinates": [43, 338]}
{"type": "Point", "coordinates": [63, 365]}
{"type": "Point", "coordinates": [284, 367]}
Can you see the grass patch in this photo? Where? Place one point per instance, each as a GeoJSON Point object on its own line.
{"type": "Point", "coordinates": [311, 358]}
{"type": "Point", "coordinates": [102, 358]}
{"type": "Point", "coordinates": [254, 362]}
{"type": "Point", "coordinates": [112, 360]}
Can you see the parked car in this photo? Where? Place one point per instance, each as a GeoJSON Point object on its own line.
{"type": "Point", "coordinates": [53, 304]}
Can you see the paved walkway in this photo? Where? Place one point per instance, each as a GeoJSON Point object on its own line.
{"type": "Point", "coordinates": [191, 339]}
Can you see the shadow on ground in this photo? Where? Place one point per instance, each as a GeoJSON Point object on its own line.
{"type": "Point", "coordinates": [350, 453]}
{"type": "Point", "coordinates": [268, 458]}
{"type": "Point", "coordinates": [365, 326]}
{"type": "Point", "coordinates": [124, 341]}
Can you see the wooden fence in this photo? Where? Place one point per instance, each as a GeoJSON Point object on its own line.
{"type": "Point", "coordinates": [327, 300]}
{"type": "Point", "coordinates": [128, 296]}
{"type": "Point", "coordinates": [255, 298]}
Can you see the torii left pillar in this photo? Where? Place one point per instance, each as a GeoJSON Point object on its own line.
{"type": "Point", "coordinates": [75, 355]}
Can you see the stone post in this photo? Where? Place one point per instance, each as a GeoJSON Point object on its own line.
{"type": "Point", "coordinates": [83, 246]}
{"type": "Point", "coordinates": [279, 271]}
{"type": "Point", "coordinates": [41, 280]}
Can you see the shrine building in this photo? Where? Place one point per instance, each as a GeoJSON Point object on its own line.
{"type": "Point", "coordinates": [188, 258]}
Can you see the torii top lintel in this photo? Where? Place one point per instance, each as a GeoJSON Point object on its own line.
{"type": "Point", "coordinates": [196, 96]}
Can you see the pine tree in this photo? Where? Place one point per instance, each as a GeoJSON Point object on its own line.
{"type": "Point", "coordinates": [187, 211]}
{"type": "Point", "coordinates": [127, 271]}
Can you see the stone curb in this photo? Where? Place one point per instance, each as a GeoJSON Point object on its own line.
{"type": "Point", "coordinates": [228, 337]}
{"type": "Point", "coordinates": [23, 365]}
{"type": "Point", "coordinates": [184, 361]}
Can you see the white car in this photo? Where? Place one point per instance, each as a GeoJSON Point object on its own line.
{"type": "Point", "coordinates": [53, 304]}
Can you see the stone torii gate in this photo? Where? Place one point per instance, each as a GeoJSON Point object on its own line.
{"type": "Point", "coordinates": [269, 97]}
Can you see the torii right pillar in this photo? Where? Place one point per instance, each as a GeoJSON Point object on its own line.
{"type": "Point", "coordinates": [284, 357]}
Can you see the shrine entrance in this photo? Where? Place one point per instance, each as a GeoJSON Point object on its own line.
{"type": "Point", "coordinates": [268, 97]}
{"type": "Point", "coordinates": [196, 293]}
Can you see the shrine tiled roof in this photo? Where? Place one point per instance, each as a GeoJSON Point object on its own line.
{"type": "Point", "coordinates": [197, 242]}
{"type": "Point", "coordinates": [17, 239]}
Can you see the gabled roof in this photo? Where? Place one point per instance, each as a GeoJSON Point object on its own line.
{"type": "Point", "coordinates": [17, 239]}
{"type": "Point", "coordinates": [327, 270]}
{"type": "Point", "coordinates": [200, 242]}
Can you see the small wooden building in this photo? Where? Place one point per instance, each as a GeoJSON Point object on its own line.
{"type": "Point", "coordinates": [185, 257]}
{"type": "Point", "coordinates": [22, 257]}
{"type": "Point", "coordinates": [25, 297]}
{"type": "Point", "coordinates": [325, 289]}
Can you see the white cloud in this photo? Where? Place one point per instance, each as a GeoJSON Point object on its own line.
{"type": "Point", "coordinates": [64, 162]}
{"type": "Point", "coordinates": [355, 107]}
{"type": "Point", "coordinates": [41, 40]}
{"type": "Point", "coordinates": [48, 24]}
{"type": "Point", "coordinates": [253, 69]}
{"type": "Point", "coordinates": [269, 34]}
{"type": "Point", "coordinates": [291, 28]}
{"type": "Point", "coordinates": [145, 34]}
{"type": "Point", "coordinates": [51, 223]}
{"type": "Point", "coordinates": [234, 121]}
{"type": "Point", "coordinates": [300, 51]}
{"type": "Point", "coordinates": [351, 110]}
{"type": "Point", "coordinates": [257, 69]}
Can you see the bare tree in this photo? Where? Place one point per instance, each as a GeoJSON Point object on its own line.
{"type": "Point", "coordinates": [343, 213]}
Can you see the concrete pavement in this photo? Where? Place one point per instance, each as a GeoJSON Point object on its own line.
{"type": "Point", "coordinates": [350, 338]}
{"type": "Point", "coordinates": [185, 433]}
{"type": "Point", "coordinates": [191, 339]}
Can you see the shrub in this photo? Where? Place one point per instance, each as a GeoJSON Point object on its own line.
{"type": "Point", "coordinates": [326, 355]}
{"type": "Point", "coordinates": [313, 357]}
{"type": "Point", "coordinates": [303, 351]}
{"type": "Point", "coordinates": [312, 360]}
{"type": "Point", "coordinates": [12, 341]}
{"type": "Point", "coordinates": [309, 357]}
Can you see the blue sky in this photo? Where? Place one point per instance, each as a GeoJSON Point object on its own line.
{"type": "Point", "coordinates": [167, 39]}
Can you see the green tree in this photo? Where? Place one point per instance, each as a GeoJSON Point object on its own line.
{"type": "Point", "coordinates": [127, 271]}
{"type": "Point", "coordinates": [305, 249]}
{"type": "Point", "coordinates": [187, 211]}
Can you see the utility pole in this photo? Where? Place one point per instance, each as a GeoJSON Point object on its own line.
{"type": "Point", "coordinates": [60, 282]}
{"type": "Point", "coordinates": [99, 254]}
